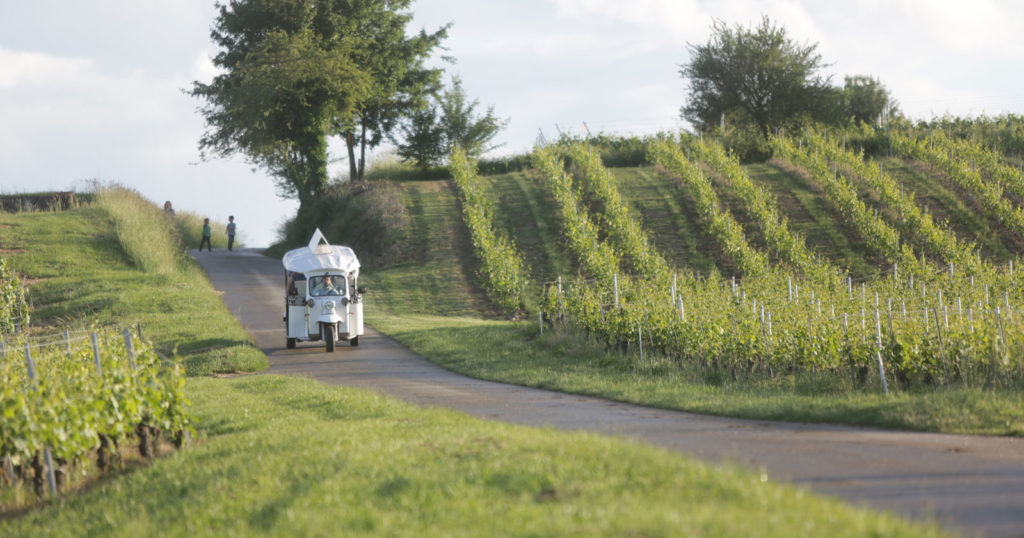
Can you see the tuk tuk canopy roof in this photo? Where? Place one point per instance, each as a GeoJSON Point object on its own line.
{"type": "Point", "coordinates": [320, 255]}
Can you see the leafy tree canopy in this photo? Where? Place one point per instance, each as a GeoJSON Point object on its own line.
{"type": "Point", "coordinates": [759, 73]}
{"type": "Point", "coordinates": [295, 72]}
{"type": "Point", "coordinates": [452, 120]}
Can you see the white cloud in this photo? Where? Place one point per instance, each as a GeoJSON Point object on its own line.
{"type": "Point", "coordinates": [34, 69]}
{"type": "Point", "coordinates": [674, 19]}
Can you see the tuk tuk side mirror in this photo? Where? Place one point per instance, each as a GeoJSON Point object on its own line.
{"type": "Point", "coordinates": [361, 290]}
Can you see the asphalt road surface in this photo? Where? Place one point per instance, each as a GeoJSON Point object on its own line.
{"type": "Point", "coordinates": [969, 484]}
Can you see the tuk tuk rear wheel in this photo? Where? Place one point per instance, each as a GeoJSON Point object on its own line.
{"type": "Point", "coordinates": [329, 337]}
{"type": "Point", "coordinates": [290, 343]}
{"type": "Point", "coordinates": [354, 342]}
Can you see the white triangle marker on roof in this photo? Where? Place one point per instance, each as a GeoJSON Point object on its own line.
{"type": "Point", "coordinates": [315, 243]}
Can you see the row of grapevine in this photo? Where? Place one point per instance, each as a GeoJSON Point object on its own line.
{"type": "Point", "coordinates": [719, 221]}
{"type": "Point", "coordinates": [761, 206]}
{"type": "Point", "coordinates": [14, 312]}
{"type": "Point", "coordinates": [503, 270]}
{"type": "Point", "coordinates": [623, 230]}
{"type": "Point", "coordinates": [941, 153]}
{"type": "Point", "coordinates": [73, 398]}
{"type": "Point", "coordinates": [595, 257]}
{"type": "Point", "coordinates": [915, 224]}
{"type": "Point", "coordinates": [876, 232]}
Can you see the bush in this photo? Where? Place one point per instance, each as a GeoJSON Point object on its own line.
{"type": "Point", "coordinates": [368, 216]}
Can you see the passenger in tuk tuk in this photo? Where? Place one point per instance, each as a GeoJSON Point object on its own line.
{"type": "Point", "coordinates": [292, 285]}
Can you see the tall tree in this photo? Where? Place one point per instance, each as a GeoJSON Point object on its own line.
{"type": "Point", "coordinates": [285, 77]}
{"type": "Point", "coordinates": [461, 125]}
{"type": "Point", "coordinates": [296, 72]}
{"type": "Point", "coordinates": [866, 99]}
{"type": "Point", "coordinates": [758, 72]}
{"type": "Point", "coordinates": [422, 139]}
{"type": "Point", "coordinates": [451, 121]}
{"type": "Point", "coordinates": [400, 82]}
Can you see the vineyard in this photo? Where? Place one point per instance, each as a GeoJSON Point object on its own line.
{"type": "Point", "coordinates": [938, 312]}
{"type": "Point", "coordinates": [73, 400]}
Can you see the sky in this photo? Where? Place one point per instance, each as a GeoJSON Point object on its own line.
{"type": "Point", "coordinates": [93, 90]}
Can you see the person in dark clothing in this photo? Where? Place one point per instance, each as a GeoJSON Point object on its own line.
{"type": "Point", "coordinates": [206, 236]}
{"type": "Point", "coordinates": [231, 231]}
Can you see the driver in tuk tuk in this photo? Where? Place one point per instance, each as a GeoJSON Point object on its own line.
{"type": "Point", "coordinates": [326, 287]}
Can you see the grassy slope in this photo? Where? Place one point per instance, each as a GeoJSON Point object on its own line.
{"type": "Point", "coordinates": [287, 456]}
{"type": "Point", "coordinates": [438, 275]}
{"type": "Point", "coordinates": [79, 275]}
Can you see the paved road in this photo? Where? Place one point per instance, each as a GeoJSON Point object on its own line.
{"type": "Point", "coordinates": [970, 484]}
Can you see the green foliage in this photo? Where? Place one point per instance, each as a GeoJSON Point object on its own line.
{"type": "Point", "coordinates": [448, 123]}
{"type": "Point", "coordinates": [504, 165]}
{"type": "Point", "coordinates": [866, 100]}
{"type": "Point", "coordinates": [1004, 132]}
{"type": "Point", "coordinates": [914, 224]}
{"type": "Point", "coordinates": [14, 312]}
{"type": "Point", "coordinates": [758, 72]}
{"type": "Point", "coordinates": [959, 160]}
{"type": "Point", "coordinates": [393, 58]}
{"type": "Point", "coordinates": [423, 140]}
{"type": "Point", "coordinates": [878, 234]}
{"type": "Point", "coordinates": [287, 76]}
{"type": "Point", "coordinates": [367, 216]}
{"type": "Point", "coordinates": [293, 74]}
{"type": "Point", "coordinates": [761, 206]}
{"type": "Point", "coordinates": [503, 271]}
{"type": "Point", "coordinates": [623, 230]}
{"type": "Point", "coordinates": [145, 232]}
{"type": "Point", "coordinates": [463, 128]}
{"type": "Point", "coordinates": [72, 401]}
{"type": "Point", "coordinates": [718, 220]}
{"type": "Point", "coordinates": [596, 257]}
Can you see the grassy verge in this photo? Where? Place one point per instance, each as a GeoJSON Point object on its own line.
{"type": "Point", "coordinates": [285, 456]}
{"type": "Point", "coordinates": [515, 353]}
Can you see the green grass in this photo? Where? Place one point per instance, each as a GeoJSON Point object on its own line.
{"type": "Point", "coordinates": [811, 215]}
{"type": "Point", "coordinates": [526, 211]}
{"type": "Point", "coordinates": [438, 274]}
{"type": "Point", "coordinates": [562, 361]}
{"type": "Point", "coordinates": [284, 457]}
{"type": "Point", "coordinates": [80, 275]}
{"type": "Point", "coordinates": [669, 217]}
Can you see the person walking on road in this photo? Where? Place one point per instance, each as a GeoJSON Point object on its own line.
{"type": "Point", "coordinates": [206, 236]}
{"type": "Point", "coordinates": [231, 231]}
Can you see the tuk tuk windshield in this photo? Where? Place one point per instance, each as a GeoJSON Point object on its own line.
{"type": "Point", "coordinates": [320, 286]}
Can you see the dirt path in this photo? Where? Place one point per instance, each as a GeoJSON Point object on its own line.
{"type": "Point", "coordinates": [971, 484]}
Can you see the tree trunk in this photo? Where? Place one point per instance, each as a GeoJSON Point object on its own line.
{"type": "Point", "coordinates": [350, 142]}
{"type": "Point", "coordinates": [362, 153]}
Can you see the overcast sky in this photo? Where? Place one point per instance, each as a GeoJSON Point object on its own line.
{"type": "Point", "coordinates": [92, 89]}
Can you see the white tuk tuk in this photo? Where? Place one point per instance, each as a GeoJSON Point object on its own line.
{"type": "Point", "coordinates": [323, 300]}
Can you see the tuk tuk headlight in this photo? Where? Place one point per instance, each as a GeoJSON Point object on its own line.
{"type": "Point", "coordinates": [310, 303]}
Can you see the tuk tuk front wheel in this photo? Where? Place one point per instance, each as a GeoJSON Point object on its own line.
{"type": "Point", "coordinates": [329, 337]}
